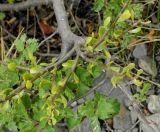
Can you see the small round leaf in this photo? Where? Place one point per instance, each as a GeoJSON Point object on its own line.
{"type": "Point", "coordinates": [29, 84]}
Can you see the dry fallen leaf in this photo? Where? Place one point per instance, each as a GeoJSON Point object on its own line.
{"type": "Point", "coordinates": [11, 21]}
{"type": "Point", "coordinates": [150, 35]}
{"type": "Point", "coordinates": [46, 28]}
{"type": "Point", "coordinates": [89, 28]}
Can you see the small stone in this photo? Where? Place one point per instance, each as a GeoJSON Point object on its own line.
{"type": "Point", "coordinates": [154, 104]}
{"type": "Point", "coordinates": [74, 104]}
{"type": "Point", "coordinates": [146, 63]}
{"type": "Point", "coordinates": [153, 125]}
{"type": "Point", "coordinates": [140, 51]}
{"type": "Point", "coordinates": [80, 101]}
{"type": "Point", "coordinates": [122, 122]}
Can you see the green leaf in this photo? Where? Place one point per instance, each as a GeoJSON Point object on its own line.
{"type": "Point", "coordinates": [137, 82]}
{"type": "Point", "coordinates": [26, 100]}
{"type": "Point", "coordinates": [49, 129]}
{"type": "Point", "coordinates": [64, 101]}
{"type": "Point", "coordinates": [98, 5]}
{"type": "Point", "coordinates": [69, 113]}
{"type": "Point", "coordinates": [54, 71]}
{"type": "Point", "coordinates": [76, 78]}
{"type": "Point", "coordinates": [55, 89]}
{"type": "Point", "coordinates": [72, 122]}
{"type": "Point", "coordinates": [97, 71]}
{"type": "Point", "coordinates": [87, 109]}
{"type": "Point", "coordinates": [107, 54]}
{"type": "Point", "coordinates": [128, 69]}
{"type": "Point", "coordinates": [45, 84]}
{"type": "Point", "coordinates": [115, 68]}
{"type": "Point", "coordinates": [84, 76]}
{"type": "Point", "coordinates": [94, 124]}
{"type": "Point", "coordinates": [32, 45]}
{"type": "Point", "coordinates": [11, 1]}
{"type": "Point", "coordinates": [20, 110]}
{"type": "Point", "coordinates": [26, 126]}
{"type": "Point", "coordinates": [88, 40]}
{"type": "Point", "coordinates": [146, 22]}
{"type": "Point", "coordinates": [136, 30]}
{"type": "Point", "coordinates": [141, 96]}
{"type": "Point", "coordinates": [19, 43]}
{"type": "Point", "coordinates": [6, 107]}
{"type": "Point", "coordinates": [11, 66]}
{"type": "Point", "coordinates": [139, 72]}
{"type": "Point", "coordinates": [32, 58]}
{"type": "Point", "coordinates": [90, 68]}
{"type": "Point", "coordinates": [69, 94]}
{"type": "Point", "coordinates": [2, 16]}
{"type": "Point", "coordinates": [82, 89]}
{"type": "Point", "coordinates": [12, 126]}
{"type": "Point", "coordinates": [2, 95]}
{"type": "Point", "coordinates": [37, 108]}
{"type": "Point", "coordinates": [124, 16]}
{"type": "Point", "coordinates": [101, 30]}
{"type": "Point", "coordinates": [126, 40]}
{"type": "Point", "coordinates": [137, 10]}
{"type": "Point", "coordinates": [146, 88]}
{"type": "Point", "coordinates": [27, 76]}
{"type": "Point", "coordinates": [89, 49]}
{"type": "Point", "coordinates": [10, 77]}
{"type": "Point", "coordinates": [101, 47]}
{"type": "Point", "coordinates": [43, 123]}
{"type": "Point", "coordinates": [106, 108]}
{"type": "Point", "coordinates": [107, 21]}
{"type": "Point", "coordinates": [68, 64]}
{"type": "Point", "coordinates": [35, 69]}
{"type": "Point", "coordinates": [29, 84]}
{"type": "Point", "coordinates": [115, 80]}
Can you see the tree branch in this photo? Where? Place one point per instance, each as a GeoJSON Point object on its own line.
{"type": "Point", "coordinates": [23, 5]}
{"type": "Point", "coordinates": [68, 38]}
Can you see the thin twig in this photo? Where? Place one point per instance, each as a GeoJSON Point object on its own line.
{"type": "Point", "coordinates": [128, 130]}
{"type": "Point", "coordinates": [11, 35]}
{"type": "Point", "coordinates": [61, 60]}
{"type": "Point", "coordinates": [150, 81]}
{"type": "Point", "coordinates": [47, 38]}
{"type": "Point", "coordinates": [2, 46]}
{"type": "Point", "coordinates": [47, 54]}
{"type": "Point", "coordinates": [18, 66]}
{"type": "Point", "coordinates": [75, 22]}
{"type": "Point", "coordinates": [66, 79]}
{"type": "Point", "coordinates": [12, 46]}
{"type": "Point", "coordinates": [145, 42]}
{"type": "Point", "coordinates": [89, 92]}
{"type": "Point", "coordinates": [141, 77]}
{"type": "Point", "coordinates": [149, 25]}
{"type": "Point", "coordinates": [101, 39]}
